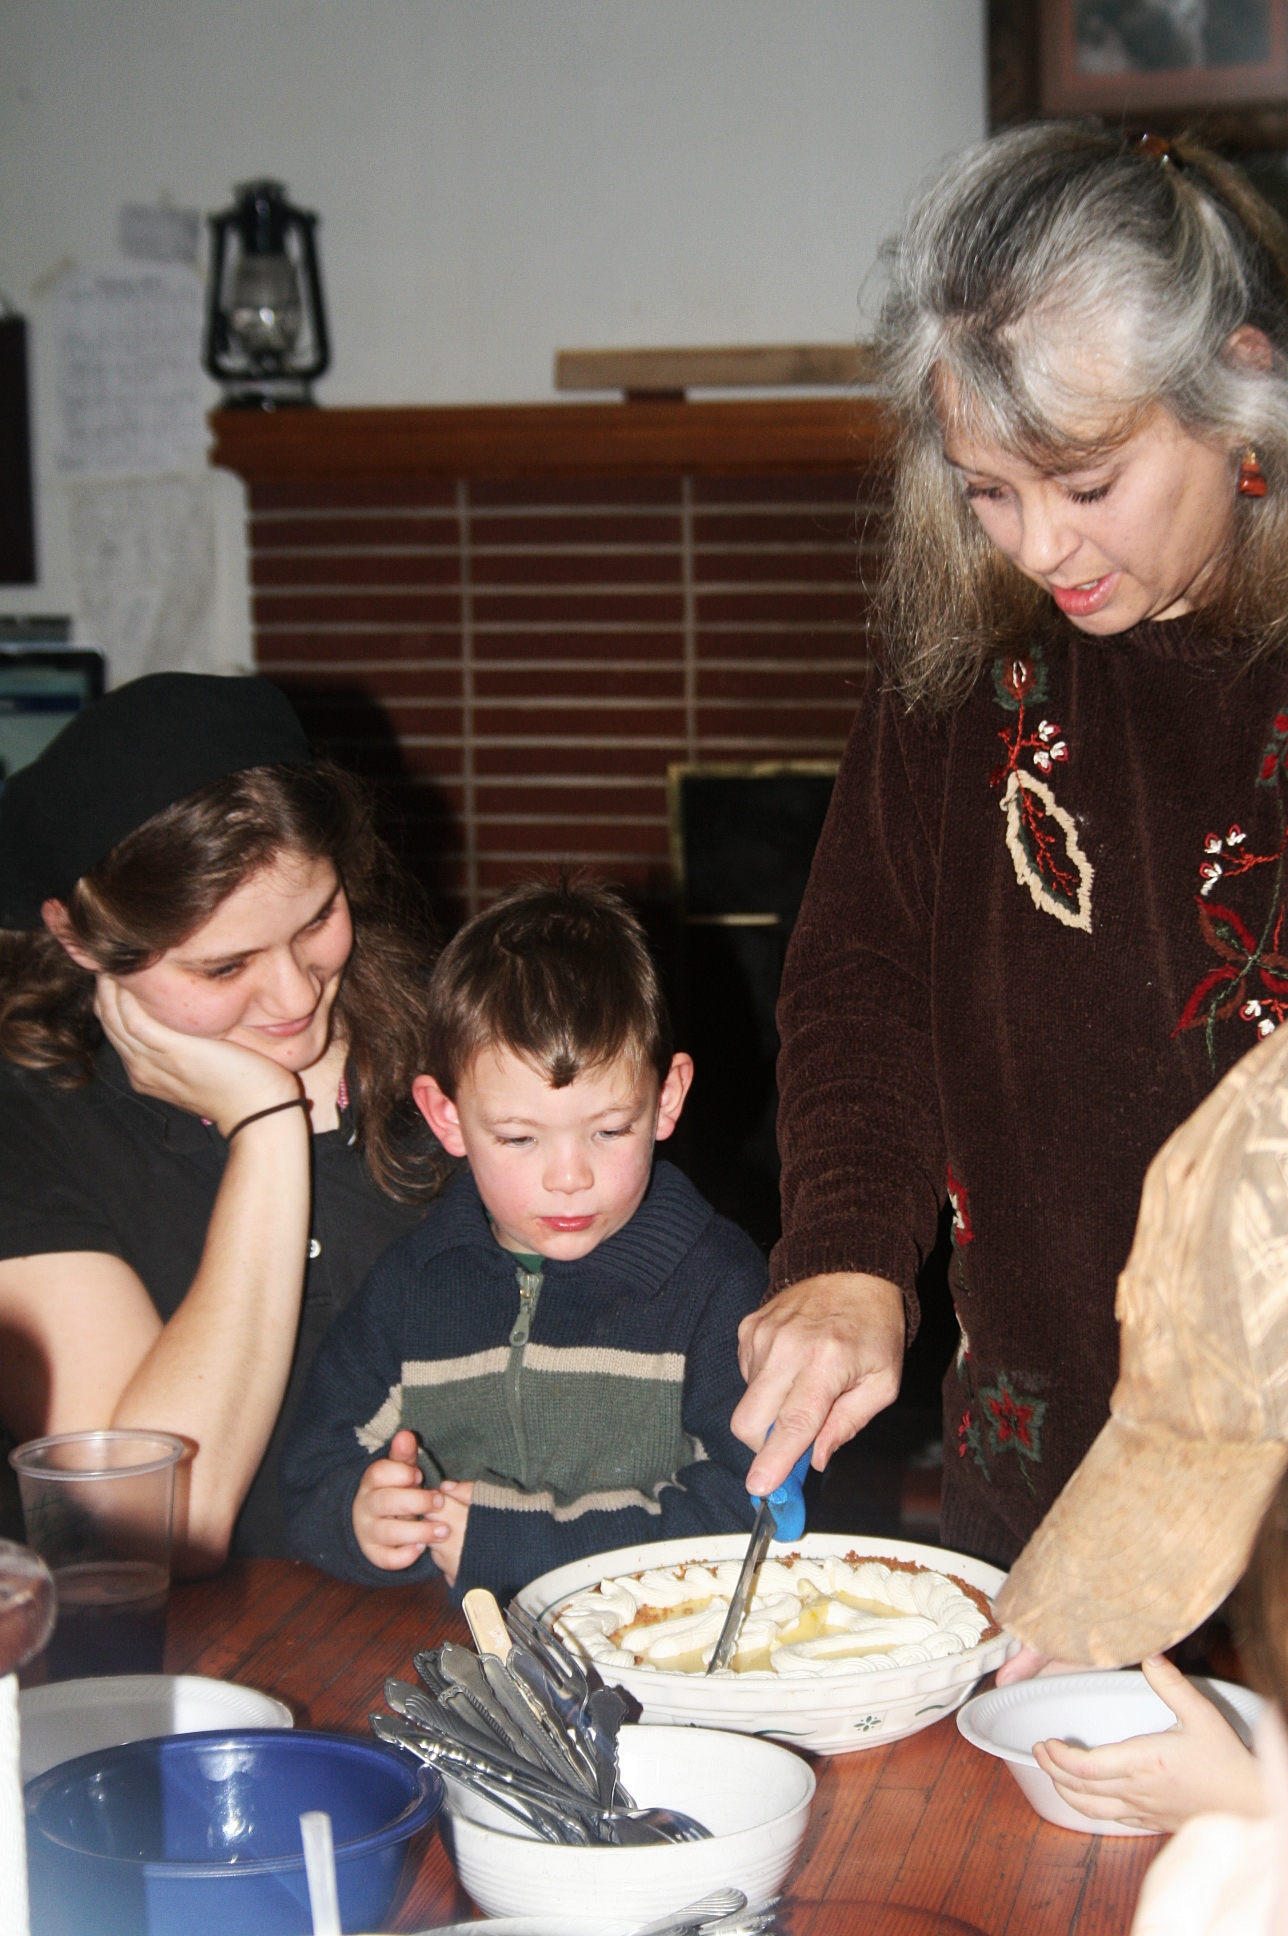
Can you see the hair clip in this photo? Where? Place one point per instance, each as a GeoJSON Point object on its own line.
{"type": "Point", "coordinates": [1158, 149]}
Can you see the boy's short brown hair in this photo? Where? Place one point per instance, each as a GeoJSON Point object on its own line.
{"type": "Point", "coordinates": [558, 972]}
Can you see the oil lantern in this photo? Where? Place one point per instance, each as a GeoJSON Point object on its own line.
{"type": "Point", "coordinates": [266, 334]}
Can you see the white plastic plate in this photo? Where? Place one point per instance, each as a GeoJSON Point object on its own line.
{"type": "Point", "coordinates": [70, 1718]}
{"type": "Point", "coordinates": [1090, 1711]}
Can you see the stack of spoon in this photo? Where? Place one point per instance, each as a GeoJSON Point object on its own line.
{"type": "Point", "coordinates": [531, 1728]}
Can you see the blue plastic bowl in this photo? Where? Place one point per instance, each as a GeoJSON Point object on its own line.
{"type": "Point", "coordinates": [199, 1834]}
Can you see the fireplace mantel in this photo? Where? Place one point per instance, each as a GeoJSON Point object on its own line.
{"type": "Point", "coordinates": [763, 437]}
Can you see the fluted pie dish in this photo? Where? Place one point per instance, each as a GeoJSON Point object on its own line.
{"type": "Point", "coordinates": [907, 1634]}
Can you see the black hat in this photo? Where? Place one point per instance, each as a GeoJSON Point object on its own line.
{"type": "Point", "coordinates": [122, 760]}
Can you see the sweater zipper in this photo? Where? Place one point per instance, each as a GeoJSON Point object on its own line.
{"type": "Point", "coordinates": [529, 1283]}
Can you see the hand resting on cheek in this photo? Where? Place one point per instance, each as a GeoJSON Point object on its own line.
{"type": "Point", "coordinates": [204, 1074]}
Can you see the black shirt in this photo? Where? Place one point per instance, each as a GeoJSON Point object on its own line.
{"type": "Point", "coordinates": [102, 1168]}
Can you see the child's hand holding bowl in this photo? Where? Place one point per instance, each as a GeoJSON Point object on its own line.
{"type": "Point", "coordinates": [1158, 1781]}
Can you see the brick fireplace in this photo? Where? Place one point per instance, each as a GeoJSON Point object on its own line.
{"type": "Point", "coordinates": [517, 618]}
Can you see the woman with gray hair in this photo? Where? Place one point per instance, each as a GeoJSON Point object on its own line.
{"type": "Point", "coordinates": [1049, 908]}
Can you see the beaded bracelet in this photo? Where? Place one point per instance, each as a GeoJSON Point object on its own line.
{"type": "Point", "coordinates": [296, 1102]}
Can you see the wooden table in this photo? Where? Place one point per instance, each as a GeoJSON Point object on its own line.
{"type": "Point", "coordinates": [934, 1832]}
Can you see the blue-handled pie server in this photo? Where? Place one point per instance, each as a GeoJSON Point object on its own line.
{"type": "Point", "coordinates": [781, 1516]}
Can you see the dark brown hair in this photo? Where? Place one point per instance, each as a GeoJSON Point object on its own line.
{"type": "Point", "coordinates": [560, 973]}
{"type": "Point", "coordinates": [165, 880]}
{"type": "Point", "coordinates": [1261, 1603]}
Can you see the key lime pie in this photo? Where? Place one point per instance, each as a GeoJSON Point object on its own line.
{"type": "Point", "coordinates": [808, 1617]}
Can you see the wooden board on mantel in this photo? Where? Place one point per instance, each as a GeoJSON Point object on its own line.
{"type": "Point", "coordinates": [714, 437]}
{"type": "Point", "coordinates": [672, 372]}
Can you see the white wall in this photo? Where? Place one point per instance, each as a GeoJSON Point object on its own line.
{"type": "Point", "coordinates": [497, 179]}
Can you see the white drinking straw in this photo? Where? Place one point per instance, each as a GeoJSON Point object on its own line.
{"type": "Point", "coordinates": [319, 1867]}
{"type": "Point", "coordinates": [13, 1841]}
{"type": "Point", "coordinates": [27, 1602]}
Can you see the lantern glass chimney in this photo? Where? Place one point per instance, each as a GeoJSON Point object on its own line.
{"type": "Point", "coordinates": [264, 313]}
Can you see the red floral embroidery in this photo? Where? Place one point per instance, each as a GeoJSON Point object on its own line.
{"type": "Point", "coordinates": [968, 1440]}
{"type": "Point", "coordinates": [959, 1197]}
{"type": "Point", "coordinates": [1276, 753]}
{"type": "Point", "coordinates": [1011, 1420]}
{"type": "Point", "coordinates": [1250, 979]}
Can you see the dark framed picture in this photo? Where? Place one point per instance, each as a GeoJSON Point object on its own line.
{"type": "Point", "coordinates": [1127, 57]}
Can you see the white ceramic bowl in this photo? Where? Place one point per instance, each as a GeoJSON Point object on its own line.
{"type": "Point", "coordinates": [1089, 1711]}
{"type": "Point", "coordinates": [830, 1714]}
{"type": "Point", "coordinates": [71, 1718]}
{"type": "Point", "coordinates": [753, 1797]}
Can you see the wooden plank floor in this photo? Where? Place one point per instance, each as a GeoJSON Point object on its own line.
{"type": "Point", "coordinates": [923, 1838]}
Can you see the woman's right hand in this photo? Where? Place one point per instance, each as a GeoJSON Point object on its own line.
{"type": "Point", "coordinates": [820, 1359]}
{"type": "Point", "coordinates": [209, 1077]}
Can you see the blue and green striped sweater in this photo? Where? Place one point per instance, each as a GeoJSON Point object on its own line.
{"type": "Point", "coordinates": [589, 1403]}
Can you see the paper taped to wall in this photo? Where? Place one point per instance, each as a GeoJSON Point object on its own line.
{"type": "Point", "coordinates": [158, 234]}
{"type": "Point", "coordinates": [131, 392]}
{"type": "Point", "coordinates": [161, 572]}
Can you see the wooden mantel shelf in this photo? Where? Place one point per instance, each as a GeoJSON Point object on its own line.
{"type": "Point", "coordinates": [752, 437]}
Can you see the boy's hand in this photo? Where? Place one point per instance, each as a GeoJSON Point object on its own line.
{"type": "Point", "coordinates": [389, 1507]}
{"type": "Point", "coordinates": [395, 1520]}
{"type": "Point", "coordinates": [449, 1510]}
{"type": "Point", "coordinates": [1157, 1781]}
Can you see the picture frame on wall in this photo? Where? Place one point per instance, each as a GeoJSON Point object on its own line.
{"type": "Point", "coordinates": [1131, 58]}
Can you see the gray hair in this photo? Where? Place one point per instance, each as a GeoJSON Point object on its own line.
{"type": "Point", "coordinates": [1049, 289]}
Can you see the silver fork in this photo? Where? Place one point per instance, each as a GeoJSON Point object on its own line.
{"type": "Point", "coordinates": [720, 1903]}
{"type": "Point", "coordinates": [738, 1921]}
{"type": "Point", "coordinates": [721, 1910]}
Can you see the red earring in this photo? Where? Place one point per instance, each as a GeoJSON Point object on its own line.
{"type": "Point", "coordinates": [1252, 479]}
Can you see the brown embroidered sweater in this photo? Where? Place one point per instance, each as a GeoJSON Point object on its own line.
{"type": "Point", "coordinates": [1036, 933]}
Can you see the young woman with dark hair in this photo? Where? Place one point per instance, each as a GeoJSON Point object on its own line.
{"type": "Point", "coordinates": [211, 990]}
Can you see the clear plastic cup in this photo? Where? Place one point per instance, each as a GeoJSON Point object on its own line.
{"type": "Point", "coordinates": [98, 1508]}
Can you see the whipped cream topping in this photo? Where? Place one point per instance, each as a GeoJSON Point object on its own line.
{"type": "Point", "coordinates": [812, 1617]}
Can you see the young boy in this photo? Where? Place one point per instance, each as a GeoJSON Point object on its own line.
{"type": "Point", "coordinates": [546, 1366]}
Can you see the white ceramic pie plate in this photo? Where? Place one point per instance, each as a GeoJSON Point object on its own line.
{"type": "Point", "coordinates": [70, 1718]}
{"type": "Point", "coordinates": [1089, 1710]}
{"type": "Point", "coordinates": [830, 1714]}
